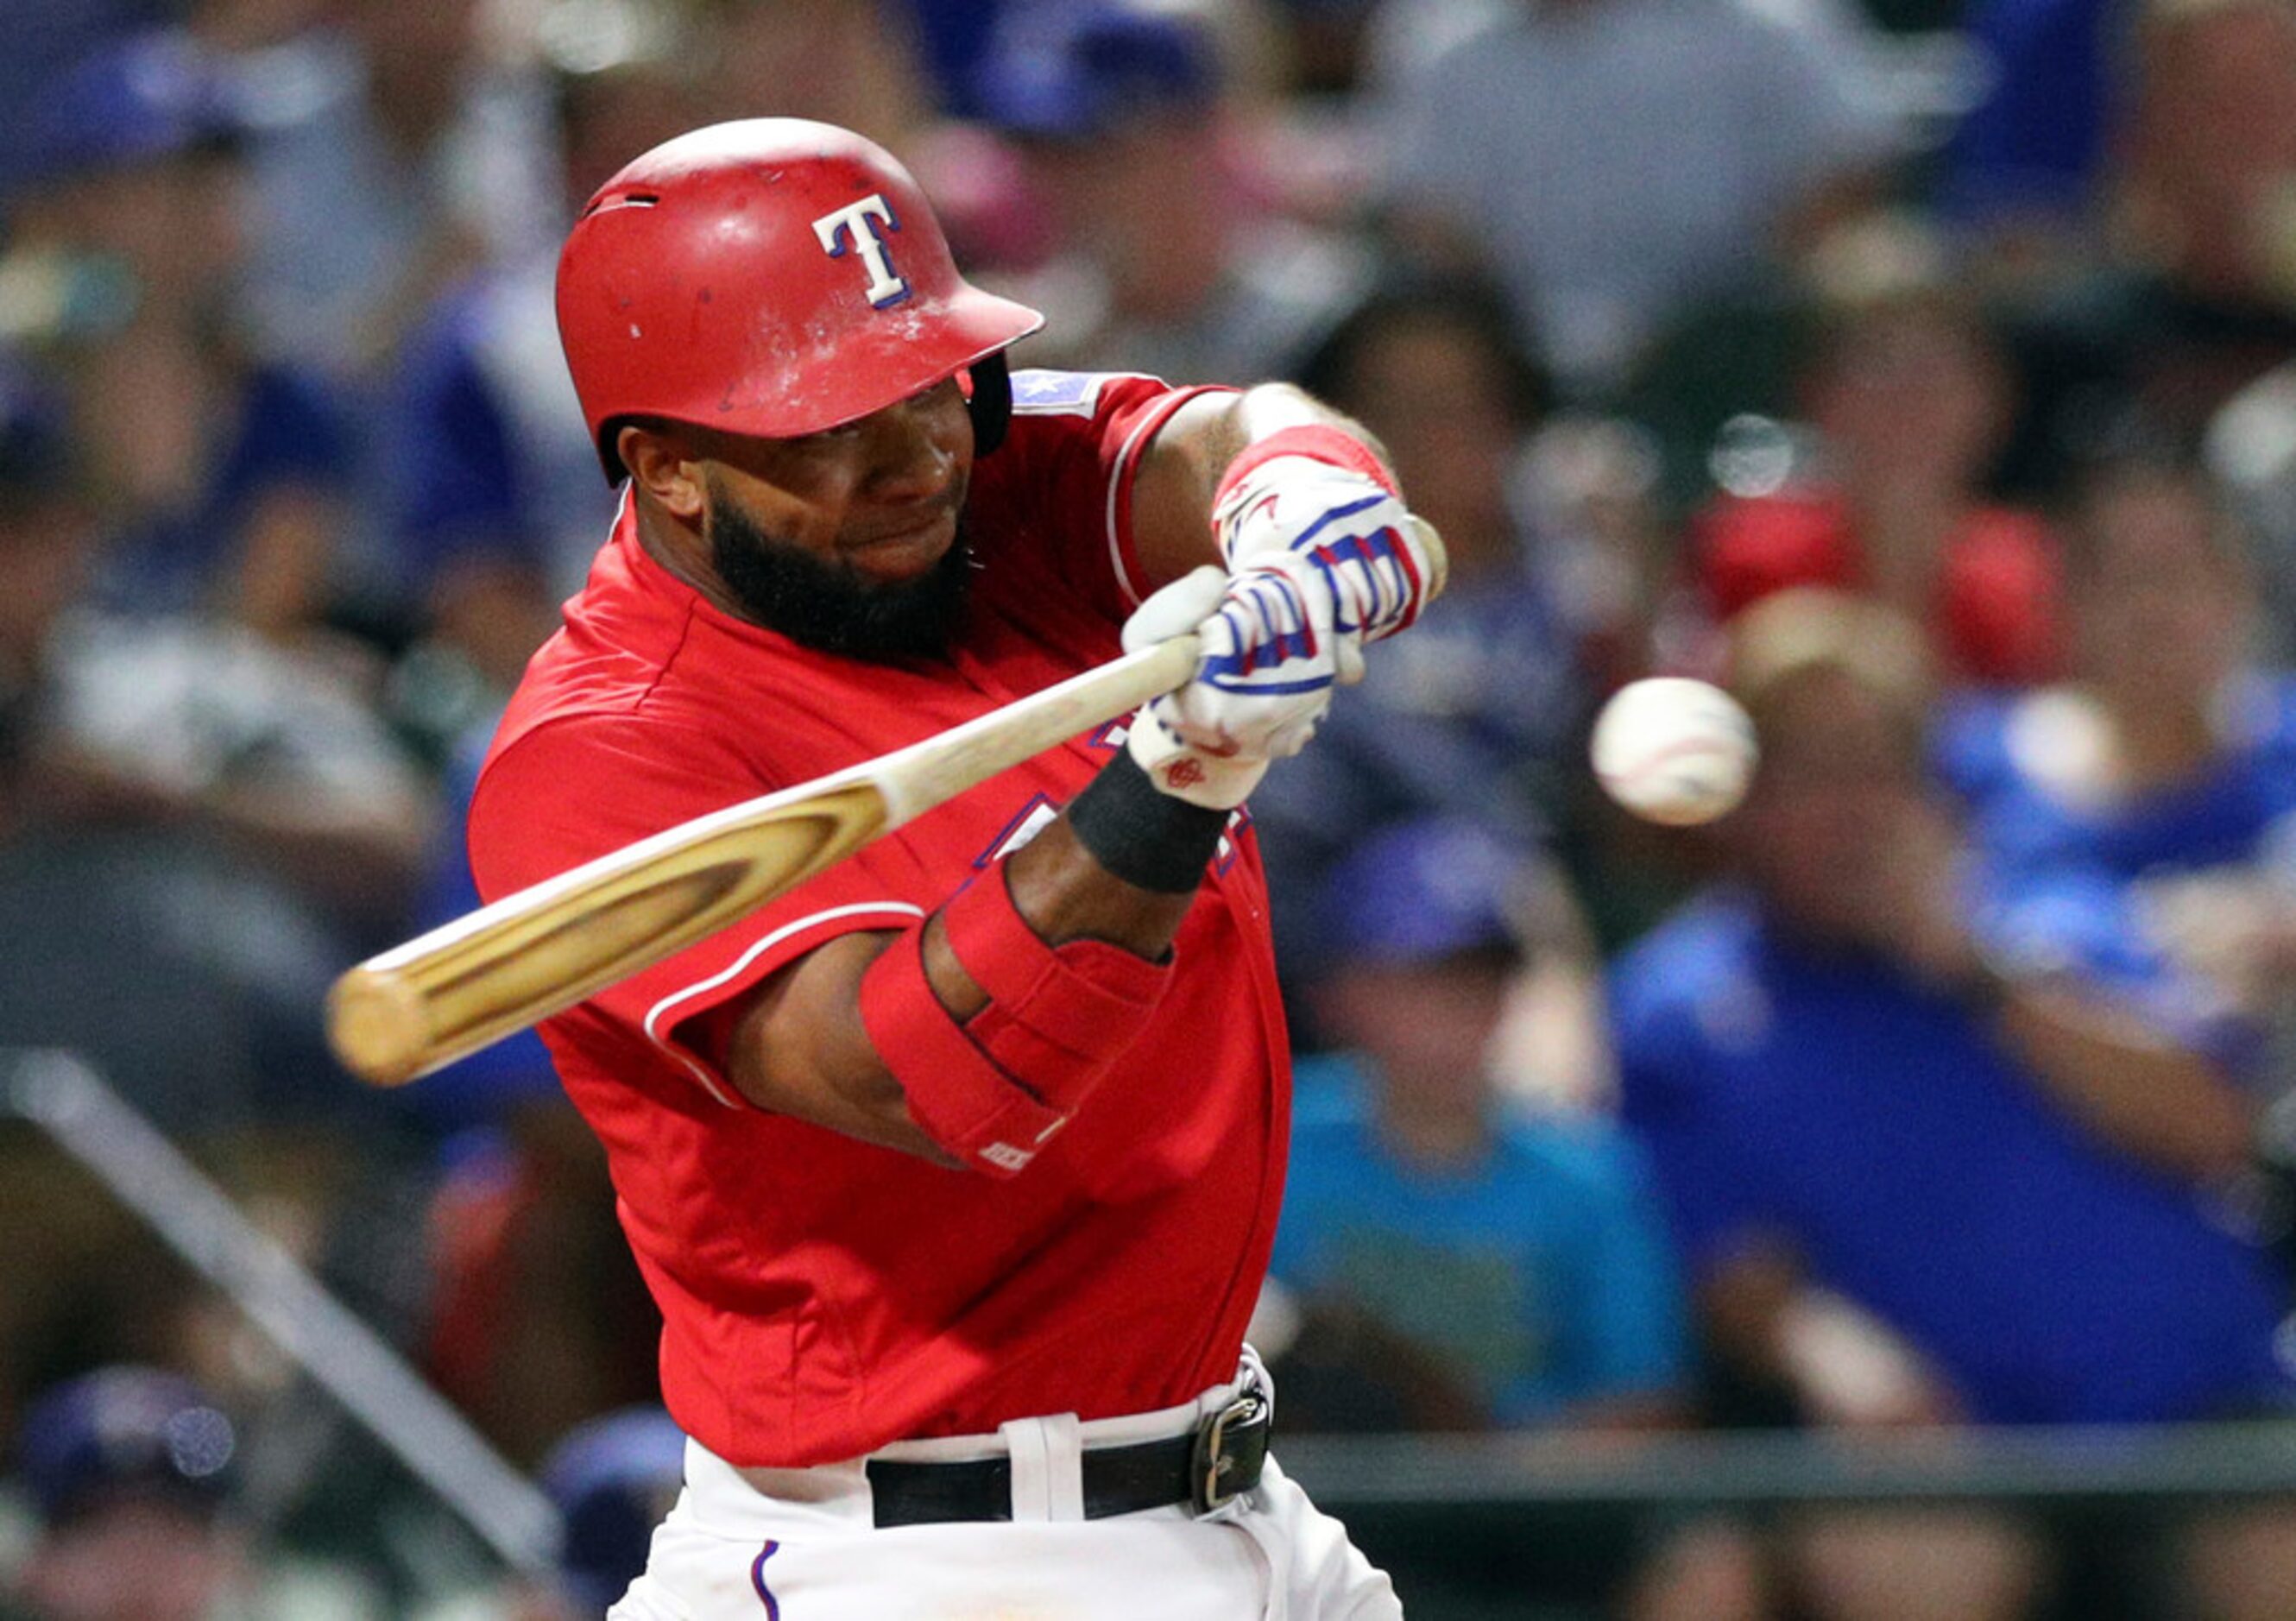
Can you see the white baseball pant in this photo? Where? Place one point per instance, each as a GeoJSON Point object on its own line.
{"type": "Point", "coordinates": [801, 1544]}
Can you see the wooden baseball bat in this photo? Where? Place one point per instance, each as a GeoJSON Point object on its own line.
{"type": "Point", "coordinates": [491, 972]}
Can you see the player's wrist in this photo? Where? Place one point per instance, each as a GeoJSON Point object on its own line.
{"type": "Point", "coordinates": [1332, 446]}
{"type": "Point", "coordinates": [1187, 772]}
{"type": "Point", "coordinates": [1140, 833]}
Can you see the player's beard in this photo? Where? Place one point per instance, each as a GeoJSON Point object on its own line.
{"type": "Point", "coordinates": [821, 602]}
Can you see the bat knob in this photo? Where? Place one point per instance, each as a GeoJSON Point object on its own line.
{"type": "Point", "coordinates": [378, 1026]}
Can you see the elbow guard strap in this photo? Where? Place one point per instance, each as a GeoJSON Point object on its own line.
{"type": "Point", "coordinates": [1057, 1015]}
{"type": "Point", "coordinates": [995, 1089]}
{"type": "Point", "coordinates": [956, 1093]}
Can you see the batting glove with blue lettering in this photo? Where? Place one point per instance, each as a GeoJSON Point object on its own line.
{"type": "Point", "coordinates": [1319, 496]}
{"type": "Point", "coordinates": [1323, 559]}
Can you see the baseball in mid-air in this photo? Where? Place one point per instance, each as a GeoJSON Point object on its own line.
{"type": "Point", "coordinates": [1673, 750]}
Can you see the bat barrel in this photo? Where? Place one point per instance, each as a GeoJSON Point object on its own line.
{"type": "Point", "coordinates": [472, 981]}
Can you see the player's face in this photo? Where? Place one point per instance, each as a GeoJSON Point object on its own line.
{"type": "Point", "coordinates": [850, 540]}
{"type": "Point", "coordinates": [879, 497]}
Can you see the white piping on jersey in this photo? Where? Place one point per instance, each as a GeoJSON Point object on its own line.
{"type": "Point", "coordinates": [701, 1071]}
{"type": "Point", "coordinates": [1124, 471]}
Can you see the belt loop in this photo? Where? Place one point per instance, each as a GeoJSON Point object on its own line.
{"type": "Point", "coordinates": [1047, 1458]}
{"type": "Point", "coordinates": [1251, 1373]}
{"type": "Point", "coordinates": [1064, 1459]}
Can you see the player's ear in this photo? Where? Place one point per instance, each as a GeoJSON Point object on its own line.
{"type": "Point", "coordinates": [664, 468]}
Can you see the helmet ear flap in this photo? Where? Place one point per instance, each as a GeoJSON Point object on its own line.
{"type": "Point", "coordinates": [609, 458]}
{"type": "Point", "coordinates": [989, 402]}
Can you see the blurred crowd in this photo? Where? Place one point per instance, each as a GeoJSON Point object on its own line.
{"type": "Point", "coordinates": [1923, 371]}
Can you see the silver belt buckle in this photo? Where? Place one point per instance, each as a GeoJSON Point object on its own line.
{"type": "Point", "coordinates": [1212, 1460]}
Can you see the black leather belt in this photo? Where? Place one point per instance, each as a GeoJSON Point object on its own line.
{"type": "Point", "coordinates": [1205, 1469]}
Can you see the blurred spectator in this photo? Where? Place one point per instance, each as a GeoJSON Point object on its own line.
{"type": "Point", "coordinates": [1118, 100]}
{"type": "Point", "coordinates": [2166, 763]}
{"type": "Point", "coordinates": [201, 684]}
{"type": "Point", "coordinates": [1908, 398]}
{"type": "Point", "coordinates": [1617, 160]}
{"type": "Point", "coordinates": [205, 811]}
{"type": "Point", "coordinates": [491, 492]}
{"type": "Point", "coordinates": [393, 148]}
{"type": "Point", "coordinates": [132, 1473]}
{"type": "Point", "coordinates": [2201, 299]}
{"type": "Point", "coordinates": [222, 476]}
{"type": "Point", "coordinates": [1917, 1182]}
{"type": "Point", "coordinates": [1448, 1260]}
{"type": "Point", "coordinates": [1487, 1266]}
{"type": "Point", "coordinates": [952, 37]}
{"type": "Point", "coordinates": [174, 950]}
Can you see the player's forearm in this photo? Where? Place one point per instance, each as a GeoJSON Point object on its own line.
{"type": "Point", "coordinates": [796, 1046]}
{"type": "Point", "coordinates": [1172, 491]}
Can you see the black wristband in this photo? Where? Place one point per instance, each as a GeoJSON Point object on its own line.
{"type": "Point", "coordinates": [1142, 834]}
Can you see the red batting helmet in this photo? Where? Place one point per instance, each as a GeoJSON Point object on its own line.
{"type": "Point", "coordinates": [771, 278]}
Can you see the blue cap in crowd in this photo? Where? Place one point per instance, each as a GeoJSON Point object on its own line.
{"type": "Point", "coordinates": [613, 1479]}
{"type": "Point", "coordinates": [149, 96]}
{"type": "Point", "coordinates": [124, 1432]}
{"type": "Point", "coordinates": [1070, 71]}
{"type": "Point", "coordinates": [1431, 887]}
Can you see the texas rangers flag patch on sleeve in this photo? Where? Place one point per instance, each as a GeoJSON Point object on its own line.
{"type": "Point", "coordinates": [1041, 393]}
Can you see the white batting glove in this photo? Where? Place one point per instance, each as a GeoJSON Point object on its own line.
{"type": "Point", "coordinates": [1263, 679]}
{"type": "Point", "coordinates": [1217, 778]}
{"type": "Point", "coordinates": [1352, 530]}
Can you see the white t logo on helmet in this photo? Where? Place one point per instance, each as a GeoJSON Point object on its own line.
{"type": "Point", "coordinates": [856, 225]}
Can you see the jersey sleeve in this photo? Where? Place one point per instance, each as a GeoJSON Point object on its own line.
{"type": "Point", "coordinates": [577, 788]}
{"type": "Point", "coordinates": [1059, 489]}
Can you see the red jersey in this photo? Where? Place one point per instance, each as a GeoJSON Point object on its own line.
{"type": "Point", "coordinates": [824, 1297]}
{"type": "Point", "coordinates": [1994, 615]}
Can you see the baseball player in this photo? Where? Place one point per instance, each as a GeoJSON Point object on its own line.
{"type": "Point", "coordinates": [956, 1170]}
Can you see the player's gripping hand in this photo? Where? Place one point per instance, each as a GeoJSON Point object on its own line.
{"type": "Point", "coordinates": [1264, 670]}
{"type": "Point", "coordinates": [1316, 504]}
{"type": "Point", "coordinates": [1218, 777]}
